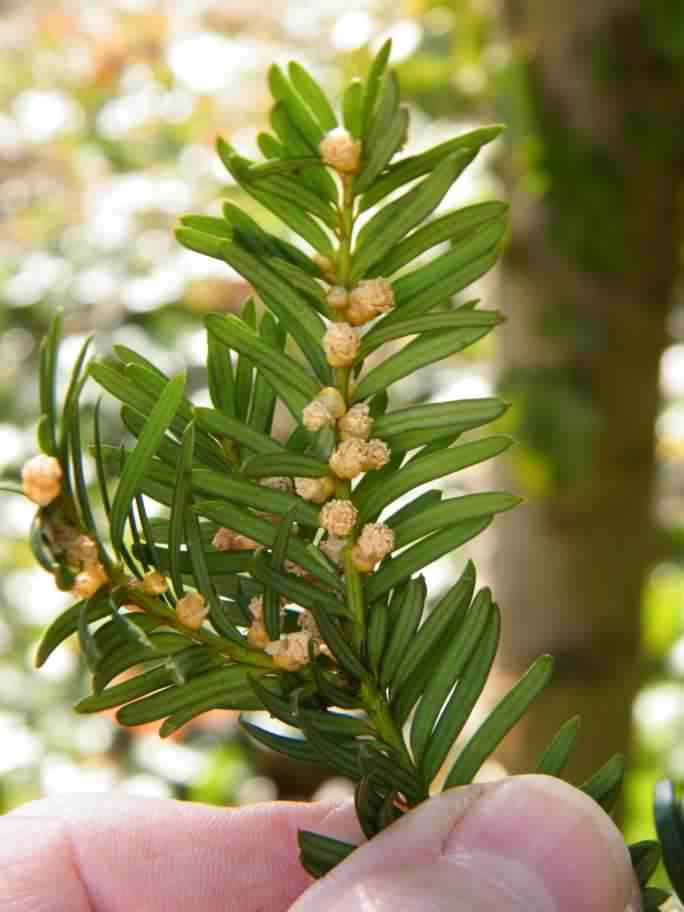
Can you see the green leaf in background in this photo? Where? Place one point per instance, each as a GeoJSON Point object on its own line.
{"type": "Point", "coordinates": [139, 460]}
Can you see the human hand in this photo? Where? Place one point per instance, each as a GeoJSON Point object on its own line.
{"type": "Point", "coordinates": [525, 844]}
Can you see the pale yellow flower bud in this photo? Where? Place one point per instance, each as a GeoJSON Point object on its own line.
{"type": "Point", "coordinates": [316, 416]}
{"type": "Point", "coordinates": [359, 313]}
{"type": "Point", "coordinates": [377, 454]}
{"type": "Point", "coordinates": [291, 651]}
{"type": "Point", "coordinates": [315, 490]}
{"type": "Point", "coordinates": [307, 622]}
{"type": "Point", "coordinates": [256, 607]}
{"type": "Point", "coordinates": [191, 610]}
{"type": "Point", "coordinates": [369, 299]}
{"type": "Point", "coordinates": [83, 550]}
{"type": "Point", "coordinates": [229, 540]}
{"type": "Point", "coordinates": [338, 298]}
{"type": "Point", "coordinates": [348, 459]}
{"type": "Point", "coordinates": [338, 517]}
{"type": "Point", "coordinates": [278, 483]}
{"type": "Point", "coordinates": [326, 265]}
{"type": "Point", "coordinates": [341, 151]}
{"type": "Point", "coordinates": [332, 547]}
{"type": "Point", "coordinates": [257, 637]}
{"type": "Point", "coordinates": [89, 580]}
{"type": "Point", "coordinates": [362, 563]}
{"type": "Point", "coordinates": [153, 583]}
{"type": "Point", "coordinates": [42, 479]}
{"type": "Point", "coordinates": [341, 344]}
{"type": "Point", "coordinates": [375, 542]}
{"type": "Point", "coordinates": [223, 540]}
{"type": "Point", "coordinates": [333, 400]}
{"type": "Point", "coordinates": [356, 423]}
{"type": "Point", "coordinates": [292, 567]}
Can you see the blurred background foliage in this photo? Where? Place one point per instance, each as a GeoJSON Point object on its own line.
{"type": "Point", "coordinates": [108, 114]}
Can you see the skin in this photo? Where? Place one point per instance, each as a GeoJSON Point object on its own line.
{"type": "Point", "coordinates": [514, 845]}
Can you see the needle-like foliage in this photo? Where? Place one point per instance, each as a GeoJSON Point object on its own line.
{"type": "Point", "coordinates": [283, 571]}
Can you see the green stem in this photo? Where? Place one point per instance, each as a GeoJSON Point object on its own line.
{"type": "Point", "coordinates": [346, 229]}
{"type": "Point", "coordinates": [373, 699]}
{"type": "Point", "coordinates": [155, 608]}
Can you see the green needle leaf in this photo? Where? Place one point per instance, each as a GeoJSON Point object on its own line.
{"type": "Point", "coordinates": [373, 84]}
{"type": "Point", "coordinates": [320, 854]}
{"type": "Point", "coordinates": [479, 631]}
{"type": "Point", "coordinates": [430, 468]}
{"type": "Point", "coordinates": [294, 748]}
{"type": "Point", "coordinates": [426, 350]}
{"type": "Point", "coordinates": [227, 686]}
{"type": "Point", "coordinates": [139, 460]}
{"type": "Point", "coordinates": [352, 102]}
{"type": "Point", "coordinates": [313, 95]}
{"type": "Point", "coordinates": [181, 494]}
{"type": "Point", "coordinates": [228, 427]}
{"type": "Point", "coordinates": [604, 786]}
{"type": "Point", "coordinates": [668, 819]}
{"type": "Point", "coordinates": [384, 331]}
{"type": "Point", "coordinates": [499, 722]}
{"type": "Point", "coordinates": [557, 754]}
{"type": "Point", "coordinates": [408, 169]}
{"type": "Point", "coordinates": [67, 624]}
{"type": "Point", "coordinates": [404, 620]}
{"type": "Point", "coordinates": [221, 379]}
{"type": "Point", "coordinates": [384, 230]}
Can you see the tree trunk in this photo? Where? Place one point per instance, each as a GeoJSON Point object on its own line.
{"type": "Point", "coordinates": [587, 283]}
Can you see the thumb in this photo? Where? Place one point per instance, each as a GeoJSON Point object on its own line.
{"type": "Point", "coordinates": [524, 844]}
